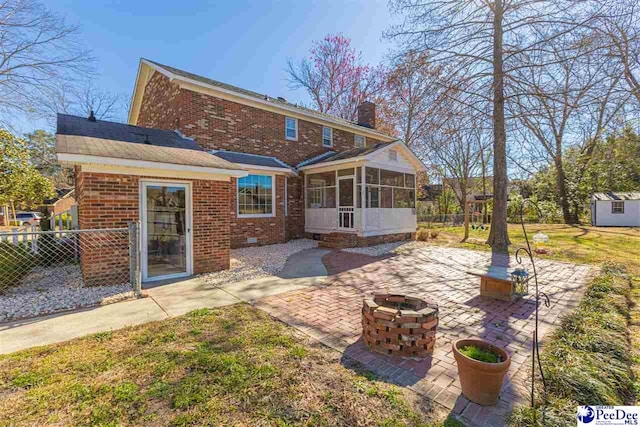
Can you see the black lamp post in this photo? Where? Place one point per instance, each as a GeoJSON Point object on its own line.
{"type": "Point", "coordinates": [535, 352]}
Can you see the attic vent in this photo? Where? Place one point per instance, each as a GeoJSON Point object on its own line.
{"type": "Point", "coordinates": [282, 99]}
{"type": "Point", "coordinates": [393, 155]}
{"type": "Point", "coordinates": [92, 117]}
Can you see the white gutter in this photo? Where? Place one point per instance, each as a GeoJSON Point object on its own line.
{"type": "Point", "coordinates": [267, 168]}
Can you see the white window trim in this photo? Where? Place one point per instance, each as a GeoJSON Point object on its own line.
{"type": "Point", "coordinates": [142, 202]}
{"type": "Point", "coordinates": [330, 136]}
{"type": "Point", "coordinates": [613, 212]}
{"type": "Point", "coordinates": [273, 199]}
{"type": "Point", "coordinates": [286, 196]}
{"type": "Point", "coordinates": [364, 140]}
{"type": "Point", "coordinates": [285, 128]}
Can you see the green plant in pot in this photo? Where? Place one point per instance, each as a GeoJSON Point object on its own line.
{"type": "Point", "coordinates": [481, 367]}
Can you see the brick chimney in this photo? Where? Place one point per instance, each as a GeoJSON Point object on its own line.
{"type": "Point", "coordinates": [367, 114]}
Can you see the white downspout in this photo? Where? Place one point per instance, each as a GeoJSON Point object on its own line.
{"type": "Point", "coordinates": [363, 198]}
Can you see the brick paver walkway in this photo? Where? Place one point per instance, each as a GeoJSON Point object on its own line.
{"type": "Point", "coordinates": [332, 314]}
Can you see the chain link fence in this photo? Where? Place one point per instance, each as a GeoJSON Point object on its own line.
{"type": "Point", "coordinates": [77, 258]}
{"type": "Point", "coordinates": [441, 219]}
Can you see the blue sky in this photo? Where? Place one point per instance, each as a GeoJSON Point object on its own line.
{"type": "Point", "coordinates": [245, 43]}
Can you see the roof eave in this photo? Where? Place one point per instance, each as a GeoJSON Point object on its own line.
{"type": "Point", "coordinates": [80, 159]}
{"type": "Point", "coordinates": [285, 171]}
{"type": "Point", "coordinates": [333, 163]}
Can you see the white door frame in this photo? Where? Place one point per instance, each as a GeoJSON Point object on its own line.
{"type": "Point", "coordinates": [353, 205]}
{"type": "Point", "coordinates": [143, 222]}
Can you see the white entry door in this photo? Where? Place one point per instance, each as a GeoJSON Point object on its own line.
{"type": "Point", "coordinates": [166, 230]}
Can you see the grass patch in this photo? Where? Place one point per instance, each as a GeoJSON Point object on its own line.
{"type": "Point", "coordinates": [480, 354]}
{"type": "Point", "coordinates": [227, 366]}
{"type": "Point", "coordinates": [587, 360]}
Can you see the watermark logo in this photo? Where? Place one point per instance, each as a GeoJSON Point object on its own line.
{"type": "Point", "coordinates": [586, 414]}
{"type": "Point", "coordinates": [590, 416]}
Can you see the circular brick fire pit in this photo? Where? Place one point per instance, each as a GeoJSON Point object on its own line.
{"type": "Point", "coordinates": [399, 325]}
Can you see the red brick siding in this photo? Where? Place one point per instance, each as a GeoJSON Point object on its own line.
{"type": "Point", "coordinates": [112, 201]}
{"type": "Point", "coordinates": [211, 225]}
{"type": "Point", "coordinates": [160, 107]}
{"type": "Point", "coordinates": [295, 217]}
{"type": "Point", "coordinates": [267, 231]}
{"type": "Point", "coordinates": [220, 124]}
{"type": "Point", "coordinates": [349, 240]}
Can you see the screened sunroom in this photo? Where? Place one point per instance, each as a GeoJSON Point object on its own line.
{"type": "Point", "coordinates": [368, 192]}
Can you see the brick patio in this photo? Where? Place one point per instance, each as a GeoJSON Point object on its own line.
{"type": "Point", "coordinates": [332, 315]}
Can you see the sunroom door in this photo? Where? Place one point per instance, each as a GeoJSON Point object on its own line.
{"type": "Point", "coordinates": [346, 202]}
{"type": "Point", "coordinates": [166, 230]}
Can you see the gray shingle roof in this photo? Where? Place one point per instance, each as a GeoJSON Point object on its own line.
{"type": "Point", "coordinates": [615, 195]}
{"type": "Point", "coordinates": [81, 126]}
{"type": "Point", "coordinates": [250, 159]}
{"type": "Point", "coordinates": [253, 94]}
{"type": "Point", "coordinates": [77, 135]}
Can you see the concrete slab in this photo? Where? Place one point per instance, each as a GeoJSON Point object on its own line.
{"type": "Point", "coordinates": [307, 263]}
{"type": "Point", "coordinates": [21, 334]}
{"type": "Point", "coordinates": [165, 299]}
{"type": "Point", "coordinates": [263, 287]}
{"type": "Point", "coordinates": [180, 297]}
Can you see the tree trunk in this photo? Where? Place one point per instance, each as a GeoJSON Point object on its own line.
{"type": "Point", "coordinates": [13, 210]}
{"type": "Point", "coordinates": [561, 181]}
{"type": "Point", "coordinates": [498, 236]}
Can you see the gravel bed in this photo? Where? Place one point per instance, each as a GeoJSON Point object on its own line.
{"type": "Point", "coordinates": [387, 248]}
{"type": "Point", "coordinates": [258, 261]}
{"type": "Point", "coordinates": [49, 289]}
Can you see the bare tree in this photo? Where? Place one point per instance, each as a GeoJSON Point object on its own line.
{"type": "Point", "coordinates": [619, 35]}
{"type": "Point", "coordinates": [38, 51]}
{"type": "Point", "coordinates": [455, 142]}
{"type": "Point", "coordinates": [82, 98]}
{"type": "Point", "coordinates": [485, 41]}
{"type": "Point", "coordinates": [569, 102]}
{"type": "Point", "coordinates": [335, 77]}
{"type": "Point", "coordinates": [413, 91]}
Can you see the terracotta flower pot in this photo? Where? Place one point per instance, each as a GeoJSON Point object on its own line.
{"type": "Point", "coordinates": [481, 381]}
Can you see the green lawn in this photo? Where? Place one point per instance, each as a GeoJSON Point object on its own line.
{"type": "Point", "coordinates": [229, 366]}
{"type": "Point", "coordinates": [577, 244]}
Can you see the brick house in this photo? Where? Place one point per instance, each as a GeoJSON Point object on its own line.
{"type": "Point", "coordinates": [206, 167]}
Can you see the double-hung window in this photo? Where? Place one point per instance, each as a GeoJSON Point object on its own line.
{"type": "Point", "coordinates": [255, 196]}
{"type": "Point", "coordinates": [617, 207]}
{"type": "Point", "coordinates": [327, 136]}
{"type": "Point", "coordinates": [358, 141]}
{"type": "Point", "coordinates": [291, 128]}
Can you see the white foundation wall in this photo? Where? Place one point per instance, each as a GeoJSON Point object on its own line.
{"type": "Point", "coordinates": [390, 221]}
{"type": "Point", "coordinates": [325, 220]}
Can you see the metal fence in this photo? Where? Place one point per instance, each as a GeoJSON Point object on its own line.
{"type": "Point", "coordinates": [79, 258]}
{"type": "Point", "coordinates": [441, 219]}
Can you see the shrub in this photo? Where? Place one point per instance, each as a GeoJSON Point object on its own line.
{"type": "Point", "coordinates": [54, 250]}
{"type": "Point", "coordinates": [587, 360]}
{"type": "Point", "coordinates": [15, 262]}
{"type": "Point", "coordinates": [480, 354]}
{"type": "Point", "coordinates": [422, 235]}
{"type": "Point", "coordinates": [434, 234]}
